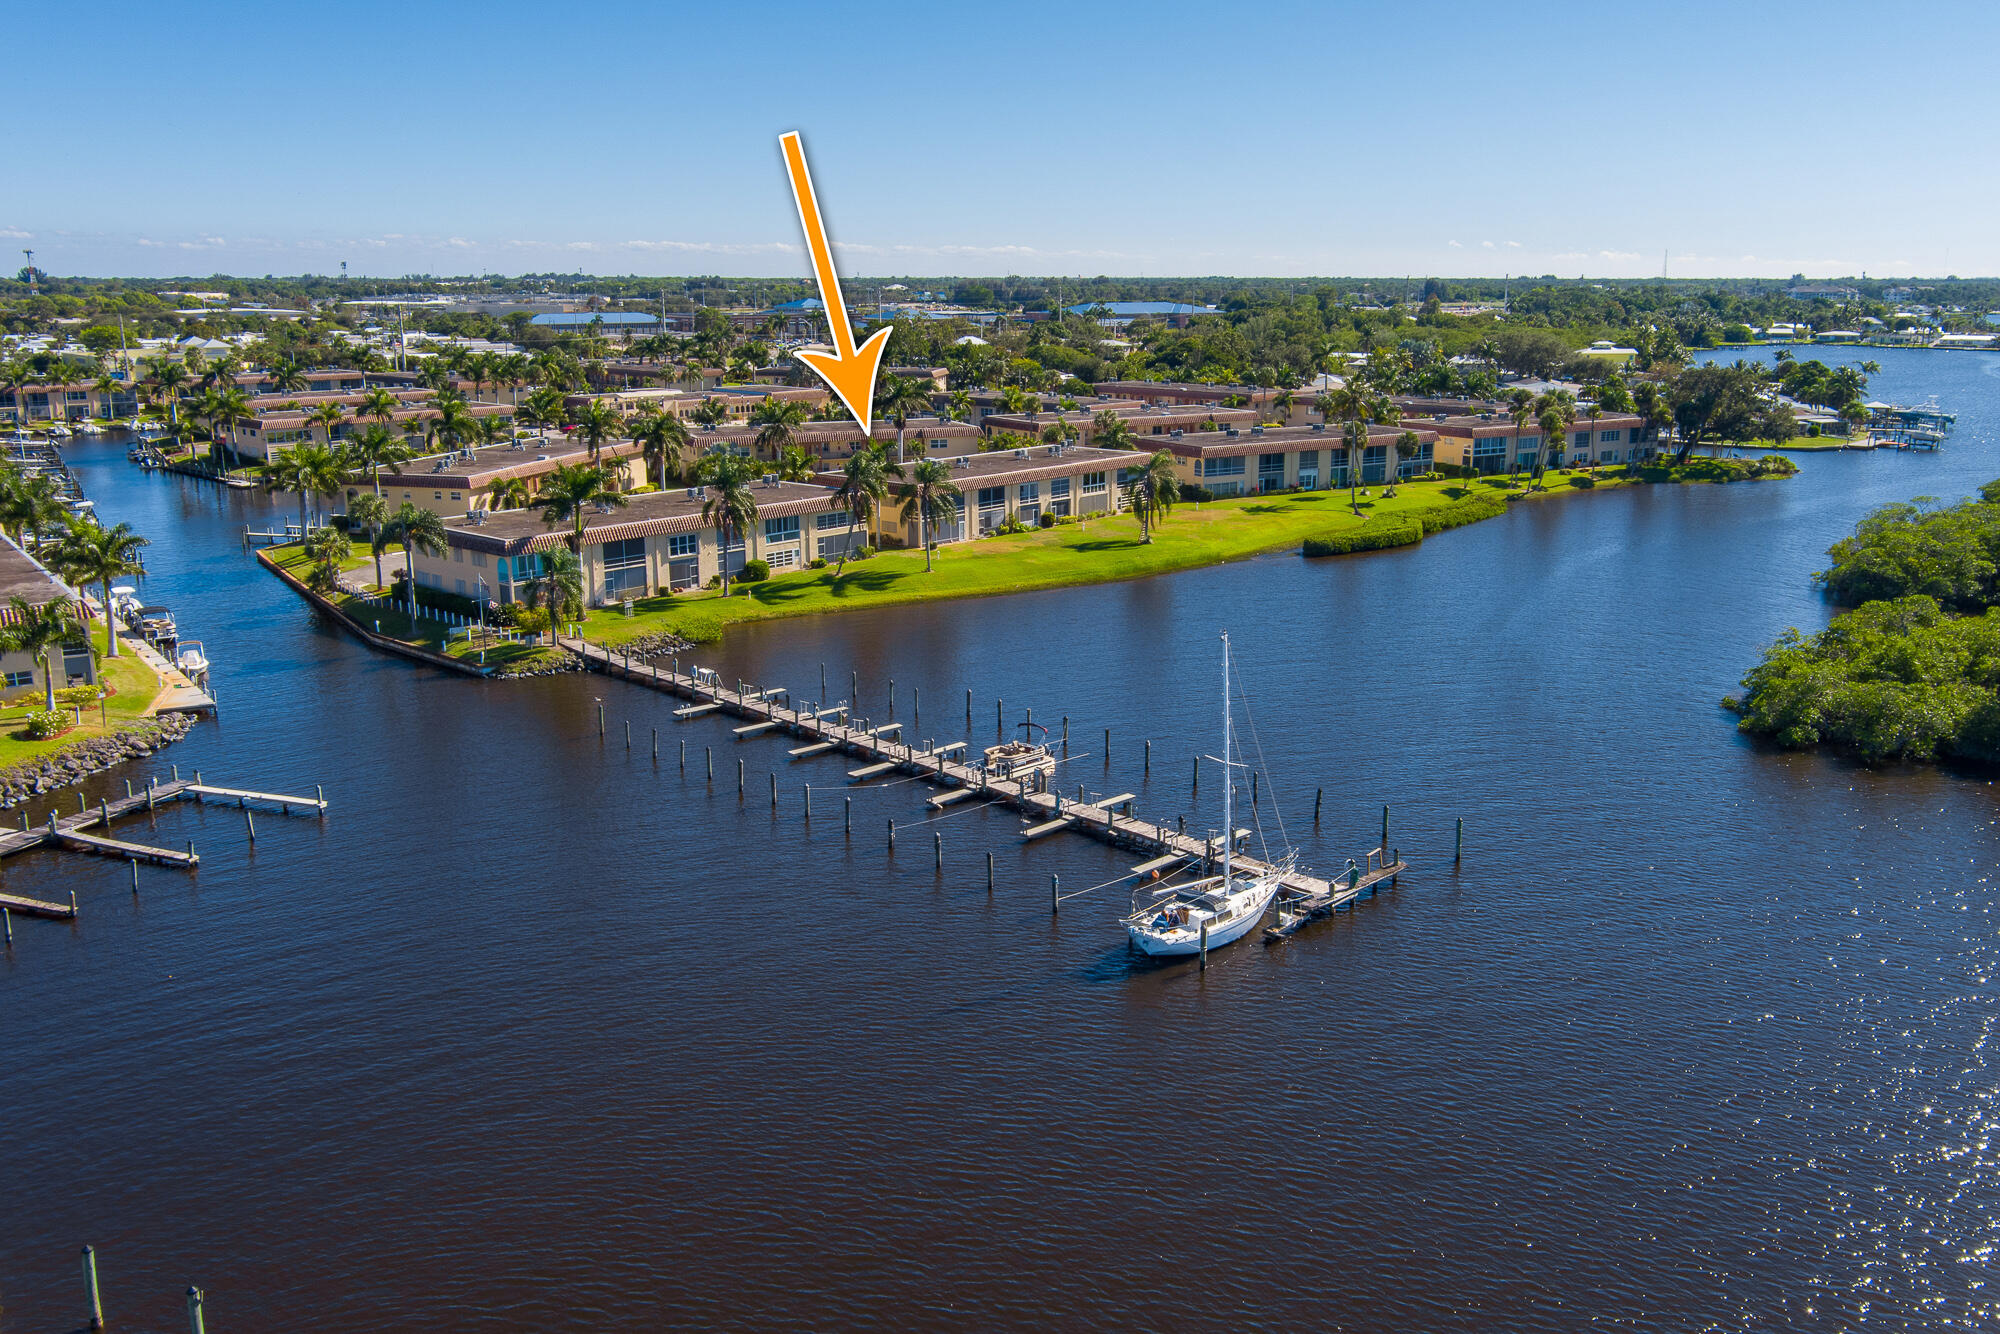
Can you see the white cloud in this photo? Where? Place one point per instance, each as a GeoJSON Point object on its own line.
{"type": "Point", "coordinates": [1618, 254]}
{"type": "Point", "coordinates": [1486, 245]}
{"type": "Point", "coordinates": [148, 242]}
{"type": "Point", "coordinates": [16, 234]}
{"type": "Point", "coordinates": [460, 243]}
{"type": "Point", "coordinates": [1514, 245]}
{"type": "Point", "coordinates": [204, 243]}
{"type": "Point", "coordinates": [579, 245]}
{"type": "Point", "coordinates": [1454, 245]}
{"type": "Point", "coordinates": [716, 247]}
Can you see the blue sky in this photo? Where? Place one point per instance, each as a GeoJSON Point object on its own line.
{"type": "Point", "coordinates": [1153, 139]}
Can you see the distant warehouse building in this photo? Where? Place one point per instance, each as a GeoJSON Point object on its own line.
{"type": "Point", "coordinates": [626, 324]}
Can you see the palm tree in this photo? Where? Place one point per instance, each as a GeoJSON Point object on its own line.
{"type": "Point", "coordinates": [509, 494]}
{"type": "Point", "coordinates": [1282, 405]}
{"type": "Point", "coordinates": [310, 470]}
{"type": "Point", "coordinates": [90, 553]}
{"type": "Point", "coordinates": [380, 404]}
{"type": "Point", "coordinates": [730, 508]}
{"type": "Point", "coordinates": [899, 399]}
{"type": "Point", "coordinates": [35, 630]}
{"type": "Point", "coordinates": [1110, 430]}
{"type": "Point", "coordinates": [371, 512]}
{"type": "Point", "coordinates": [662, 438]}
{"type": "Point", "coordinates": [542, 409]}
{"type": "Point", "coordinates": [560, 587]}
{"type": "Point", "coordinates": [864, 483]}
{"type": "Point", "coordinates": [958, 405]}
{"type": "Point", "coordinates": [328, 417]}
{"type": "Point", "coordinates": [327, 549]}
{"type": "Point", "coordinates": [710, 412]}
{"type": "Point", "coordinates": [569, 492]}
{"type": "Point", "coordinates": [418, 530]}
{"type": "Point", "coordinates": [1150, 492]}
{"type": "Point", "coordinates": [1409, 442]}
{"type": "Point", "coordinates": [933, 497]}
{"type": "Point", "coordinates": [287, 378]}
{"type": "Point", "coordinates": [30, 505]}
{"type": "Point", "coordinates": [1356, 405]}
{"type": "Point", "coordinates": [777, 425]}
{"type": "Point", "coordinates": [597, 423]}
{"type": "Point", "coordinates": [375, 449]}
{"type": "Point", "coordinates": [796, 464]}
{"type": "Point", "coordinates": [1556, 413]}
{"type": "Point", "coordinates": [164, 381]}
{"type": "Point", "coordinates": [453, 422]}
{"type": "Point", "coordinates": [1596, 413]}
{"type": "Point", "coordinates": [223, 409]}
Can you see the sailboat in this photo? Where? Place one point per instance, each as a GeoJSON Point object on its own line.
{"type": "Point", "coordinates": [1215, 911]}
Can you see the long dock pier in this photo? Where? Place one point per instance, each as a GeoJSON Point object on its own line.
{"type": "Point", "coordinates": [1302, 896]}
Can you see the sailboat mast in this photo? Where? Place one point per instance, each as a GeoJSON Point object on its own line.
{"type": "Point", "coordinates": [1228, 778]}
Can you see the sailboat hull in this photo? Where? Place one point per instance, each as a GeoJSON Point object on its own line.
{"type": "Point", "coordinates": [1187, 942]}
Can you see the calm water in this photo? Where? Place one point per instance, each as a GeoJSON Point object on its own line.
{"type": "Point", "coordinates": [534, 1031]}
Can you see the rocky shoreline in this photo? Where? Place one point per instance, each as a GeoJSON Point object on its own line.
{"type": "Point", "coordinates": [74, 763]}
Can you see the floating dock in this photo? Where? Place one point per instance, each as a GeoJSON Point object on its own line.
{"type": "Point", "coordinates": [67, 831]}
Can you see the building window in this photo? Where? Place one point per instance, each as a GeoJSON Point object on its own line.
{"type": "Point", "coordinates": [1229, 467]}
{"type": "Point", "coordinates": [782, 560]}
{"type": "Point", "coordinates": [1059, 489]}
{"type": "Point", "coordinates": [624, 567]}
{"type": "Point", "coordinates": [782, 530]}
{"type": "Point", "coordinates": [1029, 492]}
{"type": "Point", "coordinates": [684, 544]}
{"type": "Point", "coordinates": [1609, 437]}
{"type": "Point", "coordinates": [16, 679]}
{"type": "Point", "coordinates": [830, 519]}
{"type": "Point", "coordinates": [1093, 484]}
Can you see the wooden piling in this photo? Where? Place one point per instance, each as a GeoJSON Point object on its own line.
{"type": "Point", "coordinates": [656, 743]}
{"type": "Point", "coordinates": [1385, 829]}
{"type": "Point", "coordinates": [1395, 859]}
{"type": "Point", "coordinates": [937, 853]}
{"type": "Point", "coordinates": [968, 708]}
{"type": "Point", "coordinates": [739, 780]}
{"type": "Point", "coordinates": [892, 697]}
{"type": "Point", "coordinates": [194, 1300]}
{"type": "Point", "coordinates": [1000, 718]}
{"type": "Point", "coordinates": [809, 801]}
{"type": "Point", "coordinates": [1458, 842]}
{"type": "Point", "coordinates": [916, 708]}
{"type": "Point", "coordinates": [709, 753]}
{"type": "Point", "coordinates": [135, 878]}
{"type": "Point", "coordinates": [1204, 944]}
{"type": "Point", "coordinates": [1253, 789]}
{"type": "Point", "coordinates": [1149, 761]}
{"type": "Point", "coordinates": [1197, 775]}
{"type": "Point", "coordinates": [822, 685]}
{"type": "Point", "coordinates": [989, 887]}
{"type": "Point", "coordinates": [96, 1302]}
{"type": "Point", "coordinates": [774, 793]}
{"type": "Point", "coordinates": [892, 835]}
{"type": "Point", "coordinates": [1107, 748]}
{"type": "Point", "coordinates": [600, 726]}
{"type": "Point", "coordinates": [848, 823]}
{"type": "Point", "coordinates": [1319, 795]}
{"type": "Point", "coordinates": [628, 734]}
{"type": "Point", "coordinates": [854, 689]}
{"type": "Point", "coordinates": [1055, 894]}
{"type": "Point", "coordinates": [250, 824]}
{"type": "Point", "coordinates": [7, 918]}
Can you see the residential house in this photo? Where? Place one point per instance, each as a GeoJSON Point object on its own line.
{"type": "Point", "coordinates": [24, 577]}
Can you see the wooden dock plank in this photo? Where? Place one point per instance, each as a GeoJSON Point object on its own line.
{"type": "Point", "coordinates": [1033, 832]}
{"type": "Point", "coordinates": [754, 729]}
{"type": "Point", "coordinates": [241, 795]}
{"type": "Point", "coordinates": [816, 748]}
{"type": "Point", "coordinates": [871, 770]}
{"type": "Point", "coordinates": [36, 907]}
{"type": "Point", "coordinates": [944, 799]}
{"type": "Point", "coordinates": [696, 710]}
{"type": "Point", "coordinates": [135, 852]}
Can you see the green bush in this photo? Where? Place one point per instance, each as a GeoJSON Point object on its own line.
{"type": "Point", "coordinates": [861, 553]}
{"type": "Point", "coordinates": [1391, 530]}
{"type": "Point", "coordinates": [77, 695]}
{"type": "Point", "coordinates": [697, 626]}
{"type": "Point", "coordinates": [817, 563]}
{"type": "Point", "coordinates": [434, 598]}
{"type": "Point", "coordinates": [753, 572]}
{"type": "Point", "coordinates": [1193, 493]}
{"type": "Point", "coordinates": [1048, 520]}
{"type": "Point", "coordinates": [46, 723]}
{"type": "Point", "coordinates": [530, 620]}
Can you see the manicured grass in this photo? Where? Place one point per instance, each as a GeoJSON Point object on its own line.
{"type": "Point", "coordinates": [1800, 444]}
{"type": "Point", "coordinates": [396, 624]}
{"type": "Point", "coordinates": [134, 688]}
{"type": "Point", "coordinates": [1097, 551]}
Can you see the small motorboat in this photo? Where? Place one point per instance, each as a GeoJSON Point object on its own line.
{"type": "Point", "coordinates": [155, 623]}
{"type": "Point", "coordinates": [124, 600]}
{"type": "Point", "coordinates": [1021, 761]}
{"type": "Point", "coordinates": [89, 427]}
{"type": "Point", "coordinates": [59, 433]}
{"type": "Point", "coordinates": [192, 661]}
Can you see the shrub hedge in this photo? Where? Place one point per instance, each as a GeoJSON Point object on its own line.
{"type": "Point", "coordinates": [1374, 535]}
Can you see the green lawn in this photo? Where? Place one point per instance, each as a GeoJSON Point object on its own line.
{"type": "Point", "coordinates": [1096, 551]}
{"type": "Point", "coordinates": [133, 686]}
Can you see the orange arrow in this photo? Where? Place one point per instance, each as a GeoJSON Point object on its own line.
{"type": "Point", "coordinates": [848, 371]}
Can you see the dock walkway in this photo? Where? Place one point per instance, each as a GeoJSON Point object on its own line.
{"type": "Point", "coordinates": [1044, 812]}
{"type": "Point", "coordinates": [68, 831]}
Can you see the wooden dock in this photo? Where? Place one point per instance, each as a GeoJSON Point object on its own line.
{"type": "Point", "coordinates": [1042, 812]}
{"type": "Point", "coordinates": [68, 831]}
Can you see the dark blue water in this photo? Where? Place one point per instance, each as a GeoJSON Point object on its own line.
{"type": "Point", "coordinates": [534, 1031]}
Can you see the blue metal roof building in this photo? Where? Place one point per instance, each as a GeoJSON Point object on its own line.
{"type": "Point", "coordinates": [613, 319]}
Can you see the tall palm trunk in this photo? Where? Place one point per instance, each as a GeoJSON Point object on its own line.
{"type": "Point", "coordinates": [924, 532]}
{"type": "Point", "coordinates": [110, 623]}
{"type": "Point", "coordinates": [48, 683]}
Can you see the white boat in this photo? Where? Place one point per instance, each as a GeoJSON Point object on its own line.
{"type": "Point", "coordinates": [1219, 909]}
{"type": "Point", "coordinates": [89, 427]}
{"type": "Point", "coordinates": [59, 433]}
{"type": "Point", "coordinates": [191, 660]}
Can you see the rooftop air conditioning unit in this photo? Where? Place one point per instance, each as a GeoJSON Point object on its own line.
{"type": "Point", "coordinates": [1232, 430]}
{"type": "Point", "coordinates": [1319, 426]}
{"type": "Point", "coordinates": [541, 458]}
{"type": "Point", "coordinates": [769, 479]}
{"type": "Point", "coordinates": [1256, 430]}
{"type": "Point", "coordinates": [961, 463]}
{"type": "Point", "coordinates": [1177, 433]}
{"type": "Point", "coordinates": [1020, 453]}
{"type": "Point", "coordinates": [694, 493]}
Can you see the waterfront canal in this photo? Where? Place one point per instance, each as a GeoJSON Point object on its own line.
{"type": "Point", "coordinates": [533, 1030]}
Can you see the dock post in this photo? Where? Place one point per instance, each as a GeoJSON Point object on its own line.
{"type": "Point", "coordinates": [250, 824]}
{"type": "Point", "coordinates": [892, 697]}
{"type": "Point", "coordinates": [128, 789]}
{"type": "Point", "coordinates": [847, 824]}
{"type": "Point", "coordinates": [177, 773]}
{"type": "Point", "coordinates": [999, 719]}
{"type": "Point", "coordinates": [968, 708]}
{"type": "Point", "coordinates": [1055, 894]}
{"type": "Point", "coordinates": [190, 850]}
{"type": "Point", "coordinates": [195, 1325]}
{"type": "Point", "coordinates": [822, 685]}
{"type": "Point", "coordinates": [709, 753]}
{"type": "Point", "coordinates": [7, 918]}
{"type": "Point", "coordinates": [1107, 748]}
{"type": "Point", "coordinates": [135, 877]}
{"type": "Point", "coordinates": [916, 708]}
{"type": "Point", "coordinates": [628, 734]}
{"type": "Point", "coordinates": [656, 743]}
{"type": "Point", "coordinates": [104, 814]}
{"type": "Point", "coordinates": [739, 780]}
{"type": "Point", "coordinates": [600, 722]}
{"type": "Point", "coordinates": [1458, 843]}
{"type": "Point", "coordinates": [1385, 829]}
{"type": "Point", "coordinates": [1149, 760]}
{"type": "Point", "coordinates": [1395, 859]}
{"type": "Point", "coordinates": [892, 835]}
{"type": "Point", "coordinates": [1180, 824]}
{"type": "Point", "coordinates": [1207, 855]}
{"type": "Point", "coordinates": [684, 755]}
{"type": "Point", "coordinates": [989, 887]}
{"type": "Point", "coordinates": [809, 801]}
{"type": "Point", "coordinates": [1319, 795]}
{"type": "Point", "coordinates": [1204, 944]}
{"type": "Point", "coordinates": [854, 688]}
{"type": "Point", "coordinates": [937, 853]}
{"type": "Point", "coordinates": [319, 795]}
{"type": "Point", "coordinates": [82, 803]}
{"type": "Point", "coordinates": [1197, 775]}
{"type": "Point", "coordinates": [150, 789]}
{"type": "Point", "coordinates": [774, 792]}
{"type": "Point", "coordinates": [90, 1287]}
{"type": "Point", "coordinates": [1253, 789]}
